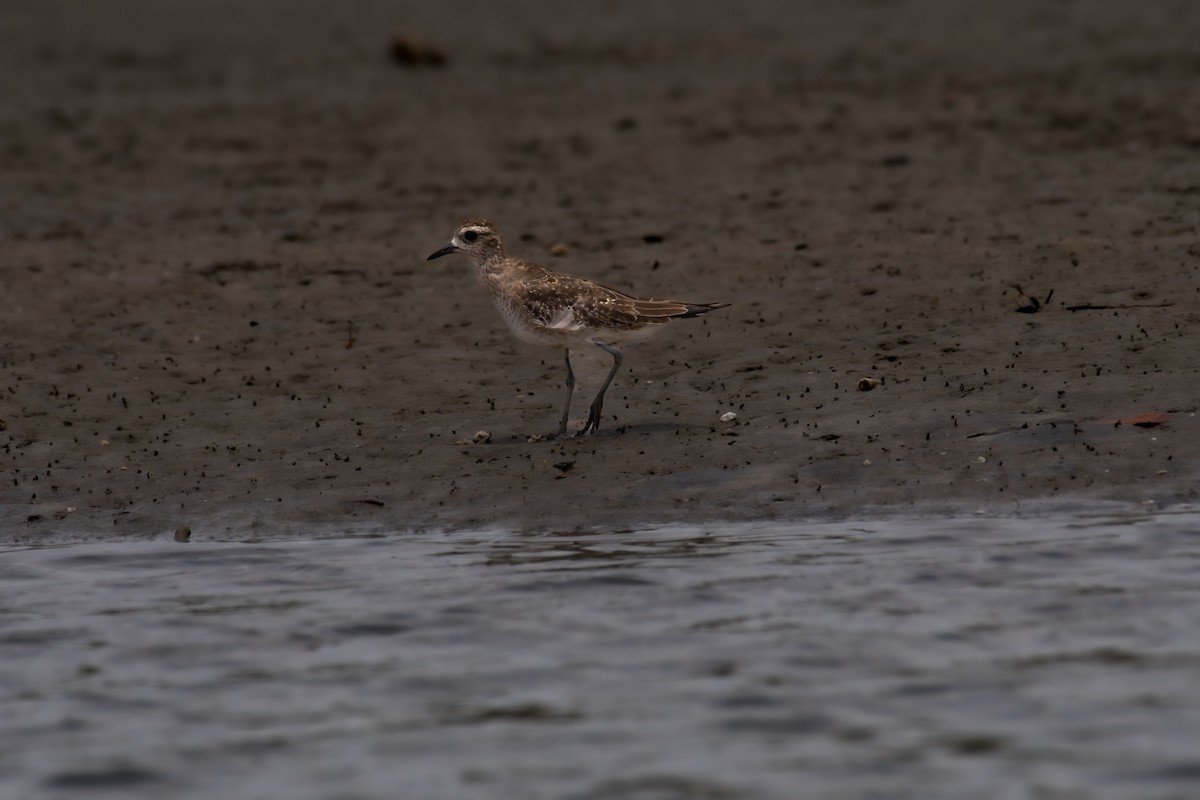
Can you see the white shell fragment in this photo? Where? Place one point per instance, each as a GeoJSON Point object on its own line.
{"type": "Point", "coordinates": [481, 436]}
{"type": "Point", "coordinates": [728, 416]}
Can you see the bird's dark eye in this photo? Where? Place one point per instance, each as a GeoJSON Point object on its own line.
{"type": "Point", "coordinates": [470, 236]}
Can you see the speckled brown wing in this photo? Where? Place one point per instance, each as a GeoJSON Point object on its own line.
{"type": "Point", "coordinates": [609, 308]}
{"type": "Point", "coordinates": [568, 303]}
{"type": "Point", "coordinates": [548, 296]}
{"type": "Point", "coordinates": [636, 311]}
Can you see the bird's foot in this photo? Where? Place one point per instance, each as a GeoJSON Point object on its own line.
{"type": "Point", "coordinates": [593, 422]}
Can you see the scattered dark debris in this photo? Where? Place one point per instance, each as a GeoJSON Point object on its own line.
{"type": "Point", "coordinates": [1025, 426]}
{"type": "Point", "coordinates": [373, 502]}
{"type": "Point", "coordinates": [998, 431]}
{"type": "Point", "coordinates": [652, 238]}
{"type": "Point", "coordinates": [1150, 420]}
{"type": "Point", "coordinates": [895, 160]}
{"type": "Point", "coordinates": [1091, 307]}
{"type": "Point", "coordinates": [349, 334]}
{"type": "Point", "coordinates": [413, 53]}
{"type": "Point", "coordinates": [564, 468]}
{"type": "Point", "coordinates": [1030, 305]}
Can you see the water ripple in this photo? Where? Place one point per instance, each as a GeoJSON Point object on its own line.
{"type": "Point", "coordinates": [874, 659]}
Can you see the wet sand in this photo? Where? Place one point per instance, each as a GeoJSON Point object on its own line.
{"type": "Point", "coordinates": [217, 313]}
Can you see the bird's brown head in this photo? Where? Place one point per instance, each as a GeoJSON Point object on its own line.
{"type": "Point", "coordinates": [475, 237]}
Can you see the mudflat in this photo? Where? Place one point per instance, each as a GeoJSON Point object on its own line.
{"type": "Point", "coordinates": [217, 312]}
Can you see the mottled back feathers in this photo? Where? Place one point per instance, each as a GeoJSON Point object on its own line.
{"type": "Point", "coordinates": [552, 308]}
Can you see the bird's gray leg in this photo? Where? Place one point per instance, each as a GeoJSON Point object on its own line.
{"type": "Point", "coordinates": [562, 423]}
{"type": "Point", "coordinates": [593, 420]}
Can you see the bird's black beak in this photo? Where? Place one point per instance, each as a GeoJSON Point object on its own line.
{"type": "Point", "coordinates": [445, 251]}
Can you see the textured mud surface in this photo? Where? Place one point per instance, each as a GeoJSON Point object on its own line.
{"type": "Point", "coordinates": [216, 310]}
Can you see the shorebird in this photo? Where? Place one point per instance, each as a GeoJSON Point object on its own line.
{"type": "Point", "coordinates": [545, 307]}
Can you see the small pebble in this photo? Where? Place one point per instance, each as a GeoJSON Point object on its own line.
{"type": "Point", "coordinates": [728, 416]}
{"type": "Point", "coordinates": [558, 249]}
{"type": "Point", "coordinates": [183, 533]}
{"type": "Point", "coordinates": [481, 436]}
{"type": "Point", "coordinates": [867, 384]}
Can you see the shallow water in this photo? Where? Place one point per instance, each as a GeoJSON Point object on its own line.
{"type": "Point", "coordinates": [964, 658]}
